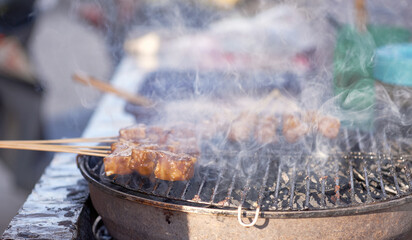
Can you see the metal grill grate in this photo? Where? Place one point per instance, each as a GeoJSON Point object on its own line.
{"type": "Point", "coordinates": [277, 180]}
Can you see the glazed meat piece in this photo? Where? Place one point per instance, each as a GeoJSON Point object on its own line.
{"type": "Point", "coordinates": [142, 133]}
{"type": "Point", "coordinates": [182, 131]}
{"type": "Point", "coordinates": [117, 164]}
{"type": "Point", "coordinates": [150, 159]}
{"type": "Point", "coordinates": [118, 161]}
{"type": "Point", "coordinates": [217, 124]}
{"type": "Point", "coordinates": [183, 139]}
{"type": "Point", "coordinates": [265, 131]}
{"type": "Point", "coordinates": [174, 167]}
{"type": "Point", "coordinates": [143, 161]}
{"type": "Point", "coordinates": [157, 135]}
{"type": "Point", "coordinates": [118, 146]}
{"type": "Point", "coordinates": [293, 128]}
{"type": "Point", "coordinates": [187, 146]}
{"type": "Point", "coordinates": [134, 133]}
{"type": "Point", "coordinates": [329, 126]}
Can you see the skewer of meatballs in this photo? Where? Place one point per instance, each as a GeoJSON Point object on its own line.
{"type": "Point", "coordinates": [170, 153]}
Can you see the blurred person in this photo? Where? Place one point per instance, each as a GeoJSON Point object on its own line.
{"type": "Point", "coordinates": [114, 18]}
{"type": "Point", "coordinates": [20, 91]}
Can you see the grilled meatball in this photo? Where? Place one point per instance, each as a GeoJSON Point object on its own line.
{"type": "Point", "coordinates": [265, 130]}
{"type": "Point", "coordinates": [293, 128]}
{"type": "Point", "coordinates": [243, 127]}
{"type": "Point", "coordinates": [329, 126]}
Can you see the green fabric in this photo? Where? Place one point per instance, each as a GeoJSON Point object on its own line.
{"type": "Point", "coordinates": [356, 104]}
{"type": "Point", "coordinates": [353, 67]}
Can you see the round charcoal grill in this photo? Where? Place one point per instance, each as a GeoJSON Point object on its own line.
{"type": "Point", "coordinates": [352, 195]}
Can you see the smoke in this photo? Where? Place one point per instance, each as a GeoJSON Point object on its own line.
{"type": "Point", "coordinates": [217, 66]}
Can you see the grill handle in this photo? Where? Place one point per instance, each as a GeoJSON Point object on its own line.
{"type": "Point", "coordinates": [239, 217]}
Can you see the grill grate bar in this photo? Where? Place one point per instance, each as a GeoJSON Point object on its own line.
{"type": "Point", "coordinates": [379, 168]}
{"type": "Point", "coordinates": [219, 179]}
{"type": "Point", "coordinates": [292, 186]}
{"type": "Point", "coordinates": [250, 176]}
{"type": "Point", "coordinates": [323, 182]}
{"type": "Point", "coordinates": [381, 177]}
{"type": "Point", "coordinates": [395, 177]}
{"type": "Point", "coordinates": [155, 186]}
{"type": "Point", "coordinates": [307, 195]}
{"type": "Point", "coordinates": [337, 187]}
{"type": "Point", "coordinates": [392, 165]}
{"type": "Point", "coordinates": [359, 140]}
{"type": "Point", "coordinates": [278, 183]}
{"type": "Point", "coordinates": [202, 183]}
{"type": "Point", "coordinates": [127, 183]}
{"type": "Point", "coordinates": [351, 163]}
{"type": "Point", "coordinates": [346, 137]}
{"type": "Point", "coordinates": [407, 168]}
{"type": "Point", "coordinates": [232, 183]}
{"type": "Point", "coordinates": [365, 175]}
{"type": "Point", "coordinates": [140, 186]}
{"type": "Point", "coordinates": [364, 164]}
{"type": "Point", "coordinates": [169, 187]}
{"type": "Point", "coordinates": [264, 182]}
{"type": "Point", "coordinates": [246, 189]}
{"type": "Point", "coordinates": [230, 190]}
{"type": "Point", "coordinates": [185, 190]}
{"type": "Point", "coordinates": [352, 182]}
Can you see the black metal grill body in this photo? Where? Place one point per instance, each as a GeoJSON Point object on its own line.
{"type": "Point", "coordinates": [129, 214]}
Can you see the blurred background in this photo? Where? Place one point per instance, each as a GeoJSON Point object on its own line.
{"type": "Point", "coordinates": [43, 42]}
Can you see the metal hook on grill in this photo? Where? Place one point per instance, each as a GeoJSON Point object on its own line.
{"type": "Point", "coordinates": [99, 230]}
{"type": "Point", "coordinates": [94, 227]}
{"type": "Point", "coordinates": [239, 217]}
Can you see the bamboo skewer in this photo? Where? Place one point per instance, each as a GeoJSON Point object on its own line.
{"type": "Point", "coordinates": [107, 88]}
{"type": "Point", "coordinates": [274, 94]}
{"type": "Point", "coordinates": [51, 146]}
{"type": "Point", "coordinates": [361, 15]}
{"type": "Point", "coordinates": [68, 146]}
{"type": "Point", "coordinates": [87, 147]}
{"type": "Point", "coordinates": [67, 140]}
{"type": "Point", "coordinates": [265, 101]}
{"type": "Point", "coordinates": [55, 146]}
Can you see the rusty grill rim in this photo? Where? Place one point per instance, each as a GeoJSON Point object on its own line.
{"type": "Point", "coordinates": [121, 192]}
